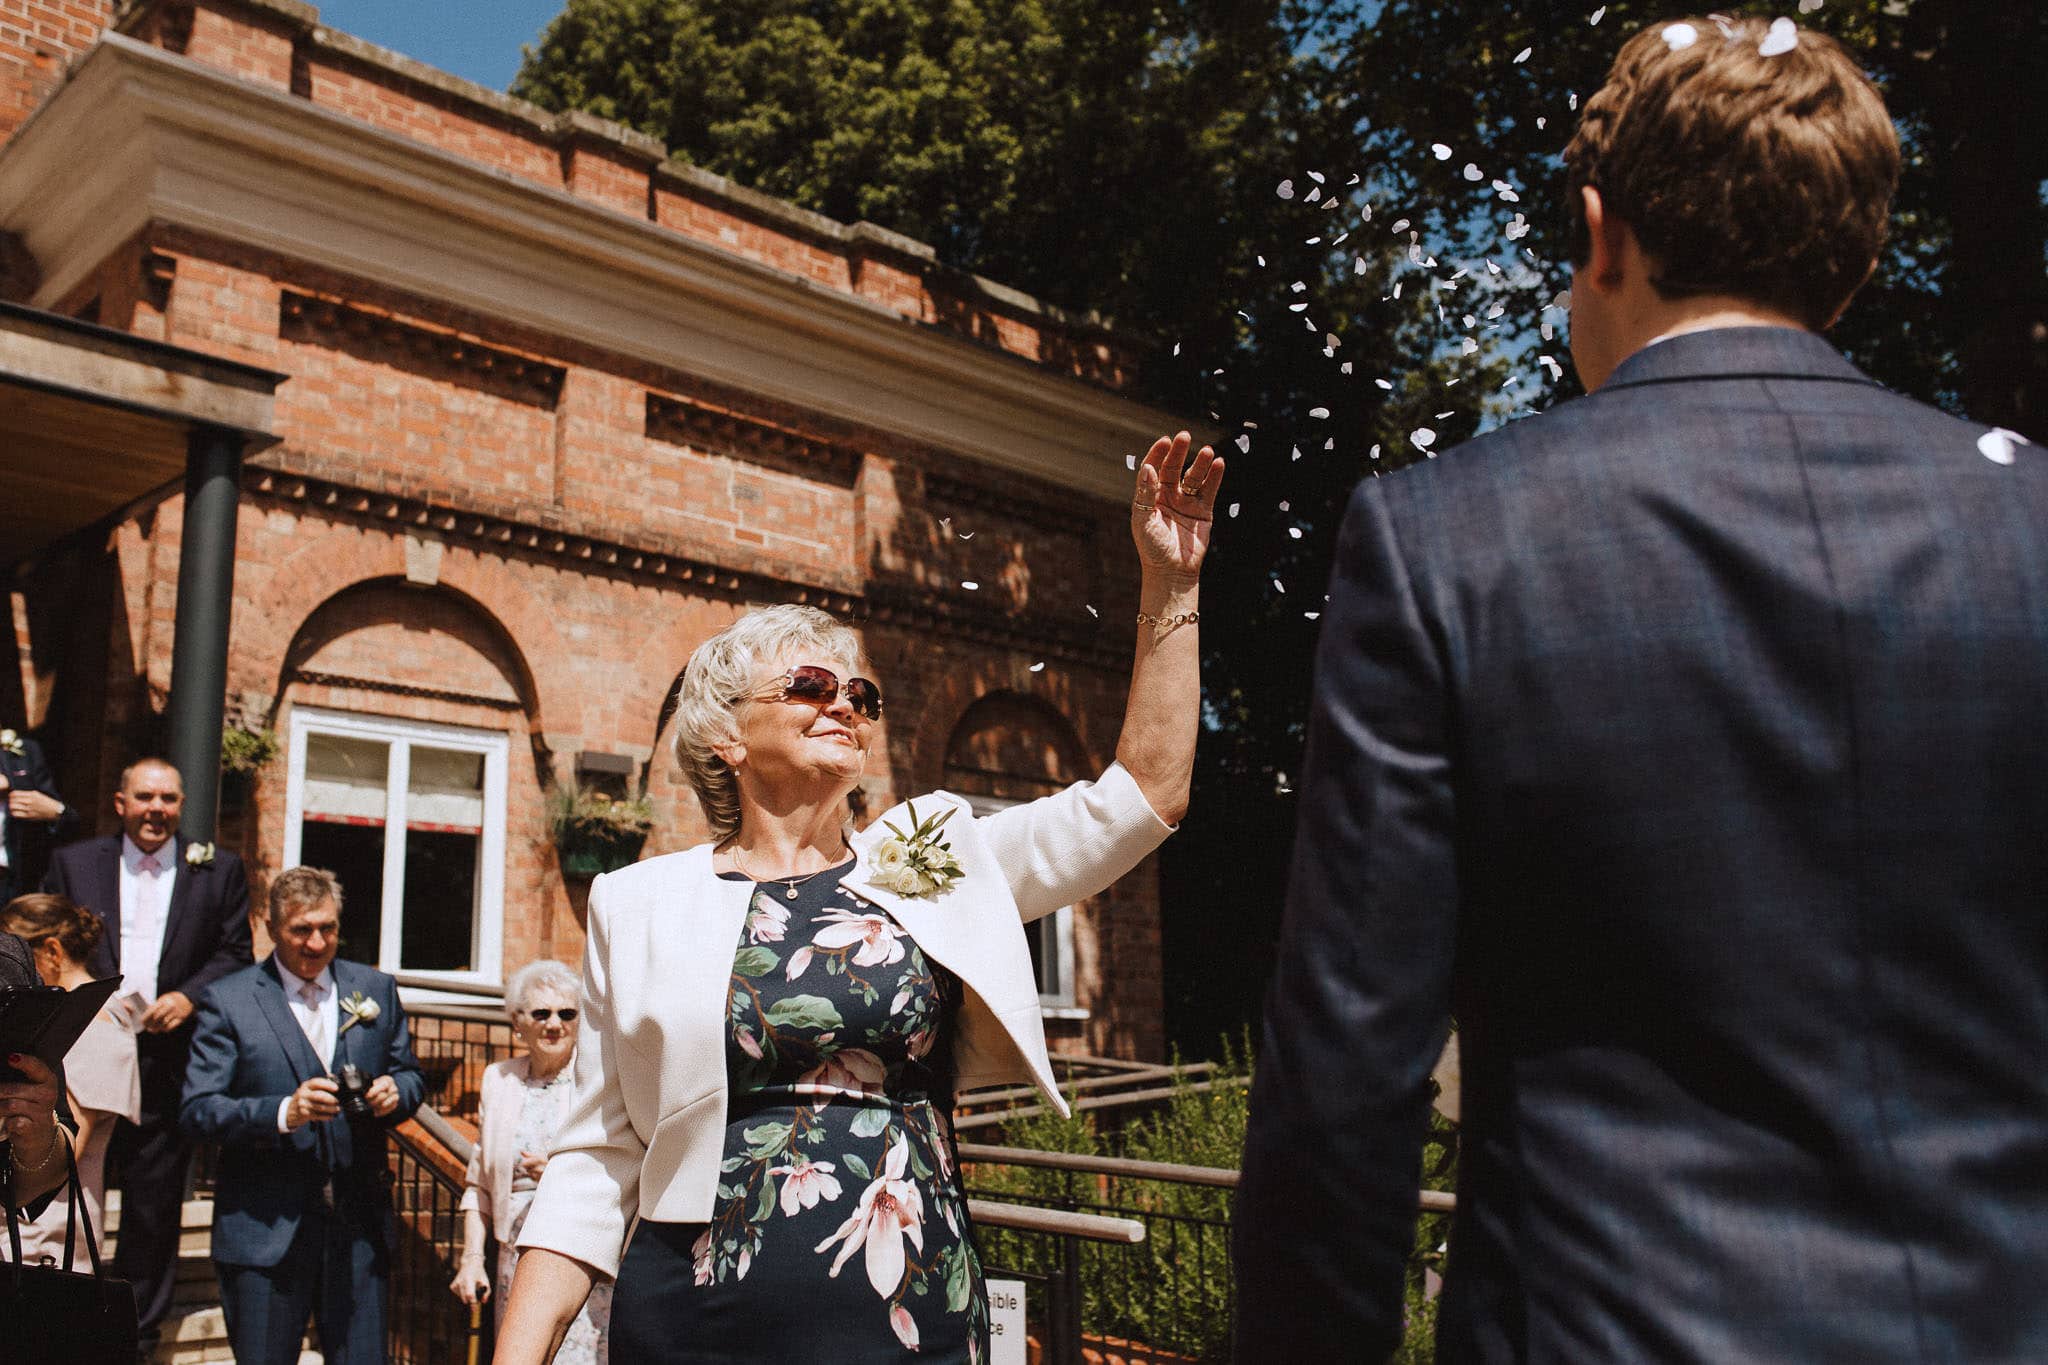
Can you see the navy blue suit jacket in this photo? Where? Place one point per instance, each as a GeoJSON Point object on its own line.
{"type": "Point", "coordinates": [206, 934]}
{"type": "Point", "coordinates": [1690, 743]}
{"type": "Point", "coordinates": [249, 1054]}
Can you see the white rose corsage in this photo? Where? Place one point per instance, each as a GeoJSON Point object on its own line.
{"type": "Point", "coordinates": [11, 742]}
{"type": "Point", "coordinates": [198, 855]}
{"type": "Point", "coordinates": [360, 1009]}
{"type": "Point", "coordinates": [919, 863]}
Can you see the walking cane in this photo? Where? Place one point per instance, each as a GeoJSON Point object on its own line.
{"type": "Point", "coordinates": [476, 1330]}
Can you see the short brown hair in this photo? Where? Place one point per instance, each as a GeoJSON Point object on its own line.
{"type": "Point", "coordinates": [295, 888]}
{"type": "Point", "coordinates": [34, 918]}
{"type": "Point", "coordinates": [1768, 178]}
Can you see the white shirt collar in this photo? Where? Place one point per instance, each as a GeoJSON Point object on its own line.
{"type": "Point", "coordinates": [294, 984]}
{"type": "Point", "coordinates": [132, 854]}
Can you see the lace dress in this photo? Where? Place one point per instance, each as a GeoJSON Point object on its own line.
{"type": "Point", "coordinates": [539, 1116]}
{"type": "Point", "coordinates": [840, 1231]}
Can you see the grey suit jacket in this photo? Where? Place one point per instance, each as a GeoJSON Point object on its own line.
{"type": "Point", "coordinates": [1691, 744]}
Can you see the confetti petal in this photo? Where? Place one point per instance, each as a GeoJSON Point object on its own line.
{"type": "Point", "coordinates": [1524, 55]}
{"type": "Point", "coordinates": [1038, 667]}
{"type": "Point", "coordinates": [2000, 446]}
{"type": "Point", "coordinates": [1679, 37]}
{"type": "Point", "coordinates": [1473, 173]}
{"type": "Point", "coordinates": [1423, 437]}
{"type": "Point", "coordinates": [1809, 6]}
{"type": "Point", "coordinates": [970, 585]}
{"type": "Point", "coordinates": [1783, 37]}
{"type": "Point", "coordinates": [1286, 189]}
{"type": "Point", "coordinates": [1244, 445]}
{"type": "Point", "coordinates": [1233, 508]}
{"type": "Point", "coordinates": [1597, 15]}
{"type": "Point", "coordinates": [1441, 152]}
{"type": "Point", "coordinates": [1320, 414]}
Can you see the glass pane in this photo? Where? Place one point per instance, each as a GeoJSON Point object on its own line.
{"type": "Point", "coordinates": [355, 854]}
{"type": "Point", "coordinates": [346, 778]}
{"type": "Point", "coordinates": [1043, 937]}
{"type": "Point", "coordinates": [444, 817]}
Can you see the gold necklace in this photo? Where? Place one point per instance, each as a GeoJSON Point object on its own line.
{"type": "Point", "coordinates": [739, 865]}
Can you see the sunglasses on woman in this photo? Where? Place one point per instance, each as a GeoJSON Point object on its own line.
{"type": "Point", "coordinates": [820, 687]}
{"type": "Point", "coordinates": [541, 1016]}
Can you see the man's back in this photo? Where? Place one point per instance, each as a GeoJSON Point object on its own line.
{"type": "Point", "coordinates": [1743, 668]}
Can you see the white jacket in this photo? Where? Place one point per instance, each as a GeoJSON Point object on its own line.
{"type": "Point", "coordinates": [647, 1129]}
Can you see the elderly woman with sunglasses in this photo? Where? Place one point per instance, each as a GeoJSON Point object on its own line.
{"type": "Point", "coordinates": [523, 1102]}
{"type": "Point", "coordinates": [777, 1021]}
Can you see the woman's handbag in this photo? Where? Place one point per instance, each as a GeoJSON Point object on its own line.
{"type": "Point", "coordinates": [51, 1315]}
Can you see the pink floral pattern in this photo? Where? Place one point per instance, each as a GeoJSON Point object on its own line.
{"type": "Point", "coordinates": [834, 1020]}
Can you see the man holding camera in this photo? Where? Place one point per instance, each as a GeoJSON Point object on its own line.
{"type": "Point", "coordinates": [299, 1065]}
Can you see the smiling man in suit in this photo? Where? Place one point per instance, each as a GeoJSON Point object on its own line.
{"type": "Point", "coordinates": [177, 920]}
{"type": "Point", "coordinates": [29, 807]}
{"type": "Point", "coordinates": [302, 1224]}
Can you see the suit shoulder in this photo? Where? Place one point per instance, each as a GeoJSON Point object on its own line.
{"type": "Point", "coordinates": [241, 981]}
{"type": "Point", "coordinates": [81, 852]}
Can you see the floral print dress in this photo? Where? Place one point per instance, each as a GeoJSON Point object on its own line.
{"type": "Point", "coordinates": [840, 1231]}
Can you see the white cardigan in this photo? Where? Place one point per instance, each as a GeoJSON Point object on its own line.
{"type": "Point", "coordinates": [647, 1129]}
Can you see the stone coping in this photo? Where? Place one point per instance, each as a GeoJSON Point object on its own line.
{"type": "Point", "coordinates": [860, 238]}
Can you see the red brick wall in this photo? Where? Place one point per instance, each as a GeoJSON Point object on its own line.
{"type": "Point", "coordinates": [37, 39]}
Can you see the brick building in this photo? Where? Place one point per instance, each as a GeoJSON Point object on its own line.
{"type": "Point", "coordinates": [556, 409]}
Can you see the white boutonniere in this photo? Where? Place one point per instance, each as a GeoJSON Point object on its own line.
{"type": "Point", "coordinates": [11, 742]}
{"type": "Point", "coordinates": [198, 855]}
{"type": "Point", "coordinates": [360, 1009]}
{"type": "Point", "coordinates": [919, 863]}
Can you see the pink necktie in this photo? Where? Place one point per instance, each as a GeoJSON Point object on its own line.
{"type": "Point", "coordinates": [316, 1026]}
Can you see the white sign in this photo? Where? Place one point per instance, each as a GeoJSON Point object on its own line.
{"type": "Point", "coordinates": [1006, 1322]}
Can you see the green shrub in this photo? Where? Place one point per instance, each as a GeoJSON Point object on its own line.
{"type": "Point", "coordinates": [1173, 1292]}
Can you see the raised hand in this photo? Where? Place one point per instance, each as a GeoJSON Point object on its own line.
{"type": "Point", "coordinates": [1174, 509]}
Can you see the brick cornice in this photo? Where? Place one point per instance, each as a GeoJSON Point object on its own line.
{"type": "Point", "coordinates": [463, 359]}
{"type": "Point", "coordinates": [709, 427]}
{"type": "Point", "coordinates": [141, 136]}
{"type": "Point", "coordinates": [344, 680]}
{"type": "Point", "coordinates": [488, 532]}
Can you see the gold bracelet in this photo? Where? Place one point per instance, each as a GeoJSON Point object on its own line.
{"type": "Point", "coordinates": [56, 1146]}
{"type": "Point", "coordinates": [1186, 618]}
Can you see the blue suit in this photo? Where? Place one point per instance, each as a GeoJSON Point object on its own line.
{"type": "Point", "coordinates": [1687, 744]}
{"type": "Point", "coordinates": [302, 1221]}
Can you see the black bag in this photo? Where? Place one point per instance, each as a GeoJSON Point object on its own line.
{"type": "Point", "coordinates": [55, 1316]}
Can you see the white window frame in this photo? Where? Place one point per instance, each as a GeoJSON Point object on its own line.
{"type": "Point", "coordinates": [1058, 1004]}
{"type": "Point", "coordinates": [487, 943]}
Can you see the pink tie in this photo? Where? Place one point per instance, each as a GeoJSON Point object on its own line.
{"type": "Point", "coordinates": [316, 1026]}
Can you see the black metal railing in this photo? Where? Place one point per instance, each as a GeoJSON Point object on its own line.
{"type": "Point", "coordinates": [1168, 1299]}
{"type": "Point", "coordinates": [427, 1324]}
{"type": "Point", "coordinates": [454, 1043]}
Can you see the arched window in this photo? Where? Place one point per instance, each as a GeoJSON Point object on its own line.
{"type": "Point", "coordinates": [1009, 748]}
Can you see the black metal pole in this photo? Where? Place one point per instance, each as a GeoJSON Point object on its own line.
{"type": "Point", "coordinates": [199, 641]}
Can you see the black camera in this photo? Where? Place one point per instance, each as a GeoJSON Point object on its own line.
{"type": "Point", "coordinates": [355, 1092]}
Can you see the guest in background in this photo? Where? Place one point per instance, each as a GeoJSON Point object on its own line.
{"type": "Point", "coordinates": [29, 807]}
{"type": "Point", "coordinates": [177, 919]}
{"type": "Point", "coordinates": [32, 1142]}
{"type": "Point", "coordinates": [302, 1217]}
{"type": "Point", "coordinates": [524, 1103]}
{"type": "Point", "coordinates": [101, 1083]}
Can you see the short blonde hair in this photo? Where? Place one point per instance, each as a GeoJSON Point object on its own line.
{"type": "Point", "coordinates": [721, 674]}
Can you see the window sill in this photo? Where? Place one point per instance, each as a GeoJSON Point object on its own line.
{"type": "Point", "coordinates": [1064, 1012]}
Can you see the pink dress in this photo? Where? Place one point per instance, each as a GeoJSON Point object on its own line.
{"type": "Point", "coordinates": [101, 1074]}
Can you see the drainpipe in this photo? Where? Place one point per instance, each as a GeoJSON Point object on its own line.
{"type": "Point", "coordinates": [199, 643]}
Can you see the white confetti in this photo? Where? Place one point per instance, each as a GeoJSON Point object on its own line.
{"type": "Point", "coordinates": [1471, 347]}
{"type": "Point", "coordinates": [1278, 586]}
{"type": "Point", "coordinates": [1524, 55]}
{"type": "Point", "coordinates": [1441, 152]}
{"type": "Point", "coordinates": [1385, 384]}
{"type": "Point", "coordinates": [1556, 370]}
{"type": "Point", "coordinates": [1091, 610]}
{"type": "Point", "coordinates": [1320, 414]}
{"type": "Point", "coordinates": [967, 535]}
{"type": "Point", "coordinates": [1678, 37]}
{"type": "Point", "coordinates": [1518, 229]}
{"type": "Point", "coordinates": [1038, 667]}
{"type": "Point", "coordinates": [1345, 367]}
{"type": "Point", "coordinates": [1375, 452]}
{"type": "Point", "coordinates": [1286, 190]}
{"type": "Point", "coordinates": [1311, 615]}
{"type": "Point", "coordinates": [1233, 508]}
{"type": "Point", "coordinates": [1400, 225]}
{"type": "Point", "coordinates": [1572, 101]}
{"type": "Point", "coordinates": [1298, 286]}
{"type": "Point", "coordinates": [970, 585]}
{"type": "Point", "coordinates": [1313, 195]}
{"type": "Point", "coordinates": [2000, 446]}
{"type": "Point", "coordinates": [1176, 348]}
{"type": "Point", "coordinates": [1783, 37]}
{"type": "Point", "coordinates": [1317, 176]}
{"type": "Point", "coordinates": [1473, 173]}
{"type": "Point", "coordinates": [1597, 15]}
{"type": "Point", "coordinates": [1423, 437]}
{"type": "Point", "coordinates": [1540, 122]}
{"type": "Point", "coordinates": [1130, 462]}
{"type": "Point", "coordinates": [1809, 6]}
{"type": "Point", "coordinates": [1244, 445]}
{"type": "Point", "coordinates": [1296, 455]}
{"type": "Point", "coordinates": [1294, 533]}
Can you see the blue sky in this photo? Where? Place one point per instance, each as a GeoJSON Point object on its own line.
{"type": "Point", "coordinates": [475, 39]}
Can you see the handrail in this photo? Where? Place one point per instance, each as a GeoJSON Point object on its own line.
{"type": "Point", "coordinates": [443, 1132]}
{"type": "Point", "coordinates": [1000, 1116]}
{"type": "Point", "coordinates": [1217, 1177]}
{"type": "Point", "coordinates": [978, 1098]}
{"type": "Point", "coordinates": [1089, 1227]}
